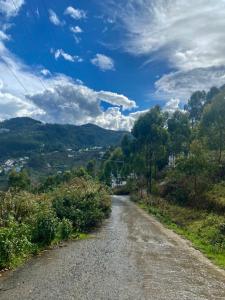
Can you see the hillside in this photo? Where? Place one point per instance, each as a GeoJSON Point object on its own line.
{"type": "Point", "coordinates": [20, 136]}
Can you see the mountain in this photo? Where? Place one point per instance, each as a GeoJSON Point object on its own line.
{"type": "Point", "coordinates": [20, 136]}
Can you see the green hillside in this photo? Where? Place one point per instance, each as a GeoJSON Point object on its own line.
{"type": "Point", "coordinates": [20, 136]}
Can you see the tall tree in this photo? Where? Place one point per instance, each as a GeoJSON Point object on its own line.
{"type": "Point", "coordinates": [195, 106]}
{"type": "Point", "coordinates": [179, 133]}
{"type": "Point", "coordinates": [213, 124]}
{"type": "Point", "coordinates": [151, 136]}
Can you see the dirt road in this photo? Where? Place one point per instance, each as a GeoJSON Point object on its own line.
{"type": "Point", "coordinates": [131, 257]}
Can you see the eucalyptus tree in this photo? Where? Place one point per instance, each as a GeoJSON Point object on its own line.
{"type": "Point", "coordinates": [151, 137]}
{"type": "Point", "coordinates": [213, 125]}
{"type": "Point", "coordinates": [179, 133]}
{"type": "Point", "coordinates": [195, 106]}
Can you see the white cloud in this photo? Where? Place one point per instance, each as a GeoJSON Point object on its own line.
{"type": "Point", "coordinates": [103, 62]}
{"type": "Point", "coordinates": [188, 35]}
{"type": "Point", "coordinates": [112, 118]}
{"type": "Point", "coordinates": [75, 13]}
{"type": "Point", "coordinates": [116, 99]}
{"type": "Point", "coordinates": [172, 105]}
{"type": "Point", "coordinates": [10, 8]}
{"type": "Point", "coordinates": [181, 84]}
{"type": "Point", "coordinates": [56, 97]}
{"type": "Point", "coordinates": [76, 29]}
{"type": "Point", "coordinates": [61, 53]}
{"type": "Point", "coordinates": [54, 19]}
{"type": "Point", "coordinates": [12, 107]}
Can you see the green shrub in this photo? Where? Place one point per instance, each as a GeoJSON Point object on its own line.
{"type": "Point", "coordinates": [215, 198]}
{"type": "Point", "coordinates": [45, 229]}
{"type": "Point", "coordinates": [84, 203]}
{"type": "Point", "coordinates": [30, 221]}
{"type": "Point", "coordinates": [20, 205]}
{"type": "Point", "coordinates": [15, 243]}
{"type": "Point", "coordinates": [66, 229]}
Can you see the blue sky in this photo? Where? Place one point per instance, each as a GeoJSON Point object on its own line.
{"type": "Point", "coordinates": [106, 63]}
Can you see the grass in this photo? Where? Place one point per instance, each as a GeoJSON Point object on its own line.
{"type": "Point", "coordinates": [204, 229]}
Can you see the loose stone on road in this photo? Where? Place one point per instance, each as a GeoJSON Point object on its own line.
{"type": "Point", "coordinates": [131, 257]}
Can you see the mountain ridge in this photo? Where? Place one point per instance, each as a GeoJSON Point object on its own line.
{"type": "Point", "coordinates": [19, 136]}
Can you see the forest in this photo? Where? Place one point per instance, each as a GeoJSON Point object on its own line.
{"type": "Point", "coordinates": [174, 166]}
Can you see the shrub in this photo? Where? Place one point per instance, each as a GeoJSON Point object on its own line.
{"type": "Point", "coordinates": [46, 228]}
{"type": "Point", "coordinates": [15, 243]}
{"type": "Point", "coordinates": [19, 205]}
{"type": "Point", "coordinates": [215, 198]}
{"type": "Point", "coordinates": [66, 229]}
{"type": "Point", "coordinates": [82, 202]}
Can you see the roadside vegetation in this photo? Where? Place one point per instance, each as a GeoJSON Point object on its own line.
{"type": "Point", "coordinates": [174, 166]}
{"type": "Point", "coordinates": [60, 208]}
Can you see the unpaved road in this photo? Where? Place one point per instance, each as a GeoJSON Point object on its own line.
{"type": "Point", "coordinates": [131, 257]}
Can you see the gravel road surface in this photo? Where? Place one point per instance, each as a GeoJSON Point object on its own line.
{"type": "Point", "coordinates": [131, 257]}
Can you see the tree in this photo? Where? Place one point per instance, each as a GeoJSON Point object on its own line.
{"type": "Point", "coordinates": [194, 167]}
{"type": "Point", "coordinates": [151, 137]}
{"type": "Point", "coordinates": [112, 166]}
{"type": "Point", "coordinates": [179, 133]}
{"type": "Point", "coordinates": [211, 94]}
{"type": "Point", "coordinates": [19, 180]}
{"type": "Point", "coordinates": [195, 106]}
{"type": "Point", "coordinates": [91, 168]}
{"type": "Point", "coordinates": [213, 125]}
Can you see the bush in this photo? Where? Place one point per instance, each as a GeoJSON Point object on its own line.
{"type": "Point", "coordinates": [46, 228]}
{"type": "Point", "coordinates": [29, 222]}
{"type": "Point", "coordinates": [84, 203]}
{"type": "Point", "coordinates": [215, 198]}
{"type": "Point", "coordinates": [15, 243]}
{"type": "Point", "coordinates": [66, 229]}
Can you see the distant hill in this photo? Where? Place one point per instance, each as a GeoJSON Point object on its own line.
{"type": "Point", "coordinates": [20, 136]}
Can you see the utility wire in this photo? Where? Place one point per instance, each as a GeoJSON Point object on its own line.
{"type": "Point", "coordinates": [40, 80]}
{"type": "Point", "coordinates": [14, 75]}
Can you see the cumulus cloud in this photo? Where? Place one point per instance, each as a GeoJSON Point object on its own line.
{"type": "Point", "coordinates": [75, 13]}
{"type": "Point", "coordinates": [54, 19]}
{"type": "Point", "coordinates": [10, 8]}
{"type": "Point", "coordinates": [12, 107]}
{"type": "Point", "coordinates": [56, 98]}
{"type": "Point", "coordinates": [116, 99]}
{"type": "Point", "coordinates": [69, 102]}
{"type": "Point", "coordinates": [61, 53]}
{"type": "Point", "coordinates": [103, 62]}
{"type": "Point", "coordinates": [187, 34]}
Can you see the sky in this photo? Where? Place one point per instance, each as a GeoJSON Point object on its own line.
{"type": "Point", "coordinates": [107, 62]}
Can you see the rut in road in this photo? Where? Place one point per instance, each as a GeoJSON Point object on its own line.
{"type": "Point", "coordinates": [131, 257]}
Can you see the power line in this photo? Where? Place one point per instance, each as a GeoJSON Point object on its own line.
{"type": "Point", "coordinates": [14, 75]}
{"type": "Point", "coordinates": [40, 80]}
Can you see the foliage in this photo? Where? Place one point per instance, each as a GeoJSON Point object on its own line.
{"type": "Point", "coordinates": [19, 180]}
{"type": "Point", "coordinates": [84, 204]}
{"type": "Point", "coordinates": [151, 137]}
{"type": "Point", "coordinates": [213, 125]}
{"type": "Point", "coordinates": [45, 228]}
{"type": "Point", "coordinates": [29, 221]}
{"type": "Point", "coordinates": [15, 243]}
{"type": "Point", "coordinates": [66, 229]}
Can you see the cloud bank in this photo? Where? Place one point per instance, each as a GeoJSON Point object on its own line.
{"type": "Point", "coordinates": [189, 35]}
